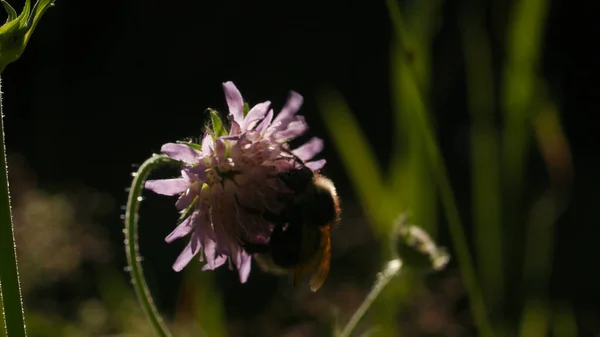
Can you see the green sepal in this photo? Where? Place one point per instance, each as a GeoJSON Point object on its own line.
{"type": "Point", "coordinates": [39, 9]}
{"type": "Point", "coordinates": [17, 30]}
{"type": "Point", "coordinates": [218, 130]}
{"type": "Point", "coordinates": [246, 108]}
{"type": "Point", "coordinates": [12, 14]}
{"type": "Point", "coordinates": [188, 211]}
{"type": "Point", "coordinates": [11, 26]}
{"type": "Point", "coordinates": [192, 145]}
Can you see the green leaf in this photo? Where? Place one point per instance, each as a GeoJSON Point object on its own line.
{"type": "Point", "coordinates": [218, 130]}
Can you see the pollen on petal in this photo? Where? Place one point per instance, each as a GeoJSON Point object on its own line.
{"type": "Point", "coordinates": [167, 186]}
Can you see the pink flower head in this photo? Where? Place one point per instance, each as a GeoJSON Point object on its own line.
{"type": "Point", "coordinates": [230, 168]}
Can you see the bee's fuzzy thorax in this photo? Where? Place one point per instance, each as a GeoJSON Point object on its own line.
{"type": "Point", "coordinates": [325, 183]}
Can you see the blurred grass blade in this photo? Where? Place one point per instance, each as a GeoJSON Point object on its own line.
{"type": "Point", "coordinates": [421, 121]}
{"type": "Point", "coordinates": [485, 156]}
{"type": "Point", "coordinates": [554, 147]}
{"type": "Point", "coordinates": [410, 177]}
{"type": "Point", "coordinates": [367, 180]}
{"type": "Point", "coordinates": [564, 323]}
{"type": "Point", "coordinates": [200, 305]}
{"type": "Point", "coordinates": [523, 50]}
{"type": "Point", "coordinates": [539, 237]}
{"type": "Point", "coordinates": [535, 319]}
{"type": "Point", "coordinates": [415, 34]}
{"type": "Point", "coordinates": [358, 159]}
{"type": "Point", "coordinates": [126, 314]}
{"type": "Point", "coordinates": [411, 181]}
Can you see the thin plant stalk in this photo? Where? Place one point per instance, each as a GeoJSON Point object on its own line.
{"type": "Point", "coordinates": [392, 269]}
{"type": "Point", "coordinates": [132, 248]}
{"type": "Point", "coordinates": [10, 286]}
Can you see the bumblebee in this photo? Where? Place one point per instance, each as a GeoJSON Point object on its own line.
{"type": "Point", "coordinates": [300, 243]}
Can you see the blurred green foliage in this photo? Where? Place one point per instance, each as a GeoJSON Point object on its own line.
{"type": "Point", "coordinates": [498, 160]}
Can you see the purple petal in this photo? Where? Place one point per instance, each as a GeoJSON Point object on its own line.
{"type": "Point", "coordinates": [315, 165]}
{"type": "Point", "coordinates": [192, 248]}
{"type": "Point", "coordinates": [220, 150]}
{"type": "Point", "coordinates": [185, 200]}
{"type": "Point", "coordinates": [235, 129]}
{"type": "Point", "coordinates": [244, 269]}
{"type": "Point", "coordinates": [207, 143]}
{"type": "Point", "coordinates": [255, 114]}
{"type": "Point", "coordinates": [167, 186]}
{"type": "Point", "coordinates": [293, 130]}
{"type": "Point", "coordinates": [233, 137]}
{"type": "Point", "coordinates": [291, 107]}
{"type": "Point", "coordinates": [183, 229]}
{"type": "Point", "coordinates": [234, 101]}
{"type": "Point", "coordinates": [213, 260]}
{"type": "Point", "coordinates": [265, 122]}
{"type": "Point", "coordinates": [181, 152]}
{"type": "Point", "coordinates": [194, 173]}
{"type": "Point", "coordinates": [309, 149]}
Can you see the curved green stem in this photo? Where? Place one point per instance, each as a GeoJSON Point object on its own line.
{"type": "Point", "coordinates": [383, 278]}
{"type": "Point", "coordinates": [10, 286]}
{"type": "Point", "coordinates": [132, 248]}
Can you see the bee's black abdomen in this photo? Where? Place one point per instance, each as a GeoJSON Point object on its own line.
{"type": "Point", "coordinates": [285, 245]}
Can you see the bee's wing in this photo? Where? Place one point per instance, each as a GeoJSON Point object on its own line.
{"type": "Point", "coordinates": [317, 267]}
